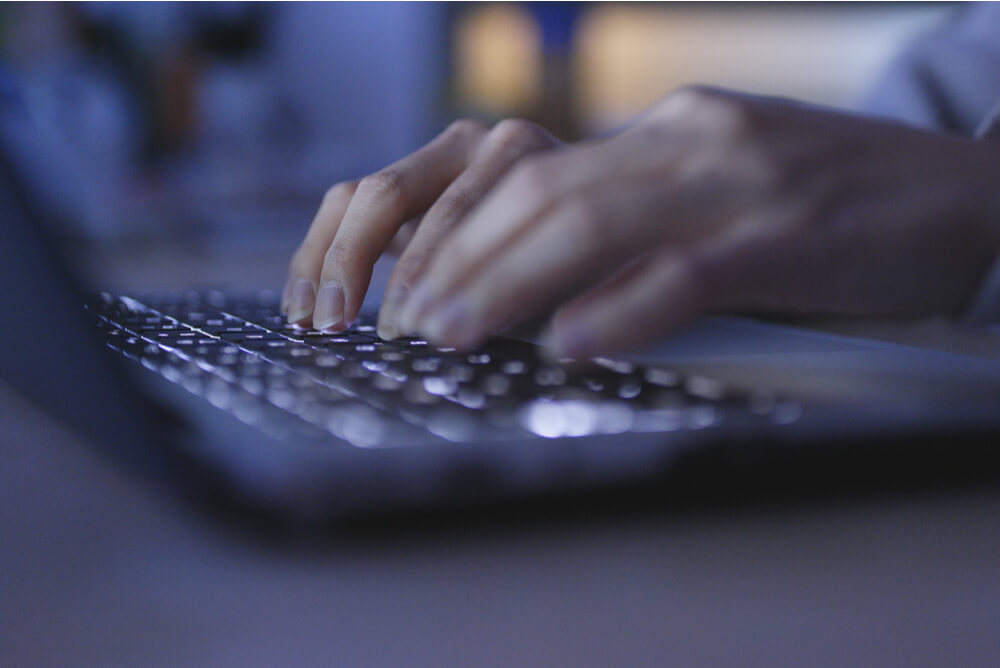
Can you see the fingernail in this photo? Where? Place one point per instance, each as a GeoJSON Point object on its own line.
{"type": "Point", "coordinates": [302, 300]}
{"type": "Point", "coordinates": [449, 323]}
{"type": "Point", "coordinates": [414, 307]}
{"type": "Point", "coordinates": [329, 306]}
{"type": "Point", "coordinates": [387, 315]}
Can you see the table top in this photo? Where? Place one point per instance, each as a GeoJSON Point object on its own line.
{"type": "Point", "coordinates": [100, 568]}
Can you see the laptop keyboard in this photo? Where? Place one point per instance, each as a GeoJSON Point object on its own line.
{"type": "Point", "coordinates": [239, 354]}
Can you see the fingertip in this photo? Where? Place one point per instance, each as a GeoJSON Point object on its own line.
{"type": "Point", "coordinates": [335, 328]}
{"type": "Point", "coordinates": [302, 300]}
{"type": "Point", "coordinates": [572, 337]}
{"type": "Point", "coordinates": [413, 307]}
{"type": "Point", "coordinates": [388, 315]}
{"type": "Point", "coordinates": [286, 294]}
{"type": "Point", "coordinates": [450, 323]}
{"type": "Point", "coordinates": [386, 328]}
{"type": "Point", "coordinates": [546, 346]}
{"type": "Point", "coordinates": [386, 332]}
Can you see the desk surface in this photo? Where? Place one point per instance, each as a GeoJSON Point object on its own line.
{"type": "Point", "coordinates": [97, 567]}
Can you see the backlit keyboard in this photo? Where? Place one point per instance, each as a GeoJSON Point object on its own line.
{"type": "Point", "coordinates": [240, 354]}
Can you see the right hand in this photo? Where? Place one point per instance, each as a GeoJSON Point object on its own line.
{"type": "Point", "coordinates": [415, 203]}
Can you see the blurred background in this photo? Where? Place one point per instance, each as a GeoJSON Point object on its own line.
{"type": "Point", "coordinates": [206, 127]}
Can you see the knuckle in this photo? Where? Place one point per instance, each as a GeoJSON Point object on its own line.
{"type": "Point", "coordinates": [387, 183]}
{"type": "Point", "coordinates": [711, 110]}
{"type": "Point", "coordinates": [339, 192]}
{"type": "Point", "coordinates": [466, 128]}
{"type": "Point", "coordinates": [453, 206]}
{"type": "Point", "coordinates": [354, 252]}
{"type": "Point", "coordinates": [342, 256]}
{"type": "Point", "coordinates": [696, 94]}
{"type": "Point", "coordinates": [517, 133]}
{"type": "Point", "coordinates": [408, 267]}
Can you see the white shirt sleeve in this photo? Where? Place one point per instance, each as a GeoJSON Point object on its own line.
{"type": "Point", "coordinates": [948, 79]}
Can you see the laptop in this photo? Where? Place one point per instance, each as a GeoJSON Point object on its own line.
{"type": "Point", "coordinates": [214, 395]}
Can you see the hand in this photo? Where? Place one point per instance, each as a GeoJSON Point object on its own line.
{"type": "Point", "coordinates": [713, 201]}
{"type": "Point", "coordinates": [357, 221]}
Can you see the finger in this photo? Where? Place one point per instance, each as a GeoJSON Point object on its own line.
{"type": "Point", "coordinates": [403, 237]}
{"type": "Point", "coordinates": [534, 187]}
{"type": "Point", "coordinates": [520, 198]}
{"type": "Point", "coordinates": [299, 295]}
{"type": "Point", "coordinates": [565, 246]}
{"type": "Point", "coordinates": [589, 233]}
{"type": "Point", "coordinates": [505, 144]}
{"type": "Point", "coordinates": [657, 294]}
{"type": "Point", "coordinates": [747, 264]}
{"type": "Point", "coordinates": [381, 204]}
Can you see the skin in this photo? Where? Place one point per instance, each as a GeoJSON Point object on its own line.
{"type": "Point", "coordinates": [712, 201]}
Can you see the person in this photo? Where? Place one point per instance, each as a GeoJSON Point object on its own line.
{"type": "Point", "coordinates": [712, 201]}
